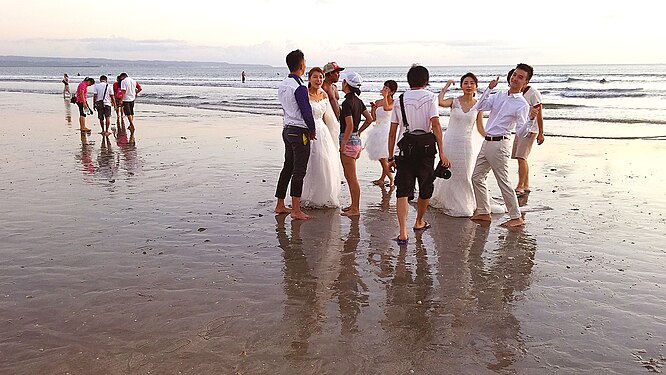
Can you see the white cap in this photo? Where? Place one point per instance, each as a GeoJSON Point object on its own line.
{"type": "Point", "coordinates": [353, 79]}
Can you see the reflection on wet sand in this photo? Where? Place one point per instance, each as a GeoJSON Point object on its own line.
{"type": "Point", "coordinates": [311, 265]}
{"type": "Point", "coordinates": [85, 154]}
{"type": "Point", "coordinates": [446, 301]}
{"type": "Point", "coordinates": [408, 301]}
{"type": "Point", "coordinates": [478, 285]}
{"type": "Point", "coordinates": [349, 287]}
{"type": "Point", "coordinates": [68, 112]}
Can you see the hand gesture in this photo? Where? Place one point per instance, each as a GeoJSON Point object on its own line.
{"type": "Point", "coordinates": [493, 83]}
{"type": "Point", "coordinates": [449, 83]}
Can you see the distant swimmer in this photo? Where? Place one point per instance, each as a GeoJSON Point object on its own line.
{"type": "Point", "coordinates": [603, 80]}
{"type": "Point", "coordinates": [243, 76]}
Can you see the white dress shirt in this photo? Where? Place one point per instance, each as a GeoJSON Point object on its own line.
{"type": "Point", "coordinates": [506, 112]}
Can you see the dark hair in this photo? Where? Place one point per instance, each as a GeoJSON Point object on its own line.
{"type": "Point", "coordinates": [314, 70]}
{"type": "Point", "coordinates": [418, 76]}
{"type": "Point", "coordinates": [508, 76]}
{"type": "Point", "coordinates": [122, 76]}
{"type": "Point", "coordinates": [294, 59]}
{"type": "Point", "coordinates": [91, 80]}
{"type": "Point", "coordinates": [527, 69]}
{"type": "Point", "coordinates": [353, 89]}
{"type": "Point", "coordinates": [470, 75]}
{"type": "Point", "coordinates": [118, 79]}
{"type": "Point", "coordinates": [392, 85]}
{"type": "Point", "coordinates": [102, 78]}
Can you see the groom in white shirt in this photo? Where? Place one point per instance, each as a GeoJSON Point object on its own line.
{"type": "Point", "coordinates": [507, 110]}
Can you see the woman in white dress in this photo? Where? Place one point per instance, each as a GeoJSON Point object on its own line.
{"type": "Point", "coordinates": [455, 196]}
{"type": "Point", "coordinates": [321, 186]}
{"type": "Point", "coordinates": [377, 139]}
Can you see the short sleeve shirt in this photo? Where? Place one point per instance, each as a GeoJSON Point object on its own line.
{"type": "Point", "coordinates": [129, 85]}
{"type": "Point", "coordinates": [352, 106]}
{"type": "Point", "coordinates": [83, 89]}
{"type": "Point", "coordinates": [533, 97]}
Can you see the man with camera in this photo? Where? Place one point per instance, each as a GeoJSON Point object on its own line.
{"type": "Point", "coordinates": [103, 98]}
{"type": "Point", "coordinates": [416, 115]}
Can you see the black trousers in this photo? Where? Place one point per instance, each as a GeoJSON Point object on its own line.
{"type": "Point", "coordinates": [296, 156]}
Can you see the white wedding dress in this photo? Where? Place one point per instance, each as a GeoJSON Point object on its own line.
{"type": "Point", "coordinates": [376, 143]}
{"type": "Point", "coordinates": [455, 196]}
{"type": "Point", "coordinates": [321, 186]}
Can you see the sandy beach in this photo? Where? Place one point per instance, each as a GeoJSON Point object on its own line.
{"type": "Point", "coordinates": [165, 257]}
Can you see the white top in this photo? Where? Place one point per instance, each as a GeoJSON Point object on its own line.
{"type": "Point", "coordinates": [99, 91]}
{"type": "Point", "coordinates": [287, 98]}
{"type": "Point", "coordinates": [533, 97]}
{"type": "Point", "coordinates": [129, 86]}
{"type": "Point", "coordinates": [506, 112]}
{"type": "Point", "coordinates": [420, 108]}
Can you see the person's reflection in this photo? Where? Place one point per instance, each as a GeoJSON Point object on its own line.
{"type": "Point", "coordinates": [128, 151]}
{"type": "Point", "coordinates": [522, 200]}
{"type": "Point", "coordinates": [68, 112]}
{"type": "Point", "coordinates": [351, 291]}
{"type": "Point", "coordinates": [300, 311]}
{"type": "Point", "coordinates": [377, 220]}
{"type": "Point", "coordinates": [105, 160]}
{"type": "Point", "coordinates": [495, 290]}
{"type": "Point", "coordinates": [85, 154]}
{"type": "Point", "coordinates": [408, 301]}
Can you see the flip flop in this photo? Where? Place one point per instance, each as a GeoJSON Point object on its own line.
{"type": "Point", "coordinates": [425, 227]}
{"type": "Point", "coordinates": [400, 241]}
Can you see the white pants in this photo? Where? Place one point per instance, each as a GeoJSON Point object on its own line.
{"type": "Point", "coordinates": [494, 155]}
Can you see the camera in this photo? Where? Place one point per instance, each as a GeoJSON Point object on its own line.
{"type": "Point", "coordinates": [442, 172]}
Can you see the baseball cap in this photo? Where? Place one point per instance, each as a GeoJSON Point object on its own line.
{"type": "Point", "coordinates": [332, 67]}
{"type": "Point", "coordinates": [353, 79]}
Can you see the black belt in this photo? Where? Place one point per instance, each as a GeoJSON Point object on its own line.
{"type": "Point", "coordinates": [497, 138]}
{"type": "Point", "coordinates": [294, 127]}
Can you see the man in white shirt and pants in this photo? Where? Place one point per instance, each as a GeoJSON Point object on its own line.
{"type": "Point", "coordinates": [507, 110]}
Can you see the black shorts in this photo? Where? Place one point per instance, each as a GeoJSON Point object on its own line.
{"type": "Point", "coordinates": [410, 169]}
{"type": "Point", "coordinates": [128, 108]}
{"type": "Point", "coordinates": [81, 112]}
{"type": "Point", "coordinates": [103, 111]}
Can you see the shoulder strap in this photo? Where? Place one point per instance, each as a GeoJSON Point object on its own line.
{"type": "Point", "coordinates": [404, 115]}
{"type": "Point", "coordinates": [105, 88]}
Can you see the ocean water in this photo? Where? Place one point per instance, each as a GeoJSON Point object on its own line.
{"type": "Point", "coordinates": [630, 103]}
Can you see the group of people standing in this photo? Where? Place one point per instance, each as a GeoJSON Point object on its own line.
{"type": "Point", "coordinates": [119, 96]}
{"type": "Point", "coordinates": [407, 136]}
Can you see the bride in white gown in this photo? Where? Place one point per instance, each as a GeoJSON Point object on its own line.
{"type": "Point", "coordinates": [321, 186]}
{"type": "Point", "coordinates": [455, 196]}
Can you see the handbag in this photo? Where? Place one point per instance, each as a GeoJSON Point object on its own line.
{"type": "Point", "coordinates": [417, 143]}
{"type": "Point", "coordinates": [73, 99]}
{"type": "Point", "coordinates": [99, 105]}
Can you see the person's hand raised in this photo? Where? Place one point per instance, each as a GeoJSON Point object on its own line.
{"type": "Point", "coordinates": [493, 83]}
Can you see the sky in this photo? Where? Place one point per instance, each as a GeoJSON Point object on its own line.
{"type": "Point", "coordinates": [353, 33]}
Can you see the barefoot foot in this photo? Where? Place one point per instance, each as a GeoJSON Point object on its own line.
{"type": "Point", "coordinates": [513, 223]}
{"type": "Point", "coordinates": [481, 217]}
{"type": "Point", "coordinates": [282, 210]}
{"type": "Point", "coordinates": [351, 212]}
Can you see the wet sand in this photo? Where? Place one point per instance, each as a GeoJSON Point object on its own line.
{"type": "Point", "coordinates": [165, 258]}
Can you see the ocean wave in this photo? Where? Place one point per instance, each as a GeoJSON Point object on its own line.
{"type": "Point", "coordinates": [602, 95]}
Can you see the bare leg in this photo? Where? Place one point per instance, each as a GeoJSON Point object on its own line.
{"type": "Point", "coordinates": [280, 208]}
{"type": "Point", "coordinates": [523, 176]}
{"type": "Point", "coordinates": [422, 206]}
{"type": "Point", "coordinates": [296, 213]}
{"type": "Point", "coordinates": [131, 125]}
{"type": "Point", "coordinates": [387, 170]}
{"type": "Point", "coordinates": [82, 124]}
{"type": "Point", "coordinates": [349, 167]}
{"type": "Point", "coordinates": [380, 181]}
{"type": "Point", "coordinates": [402, 206]}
